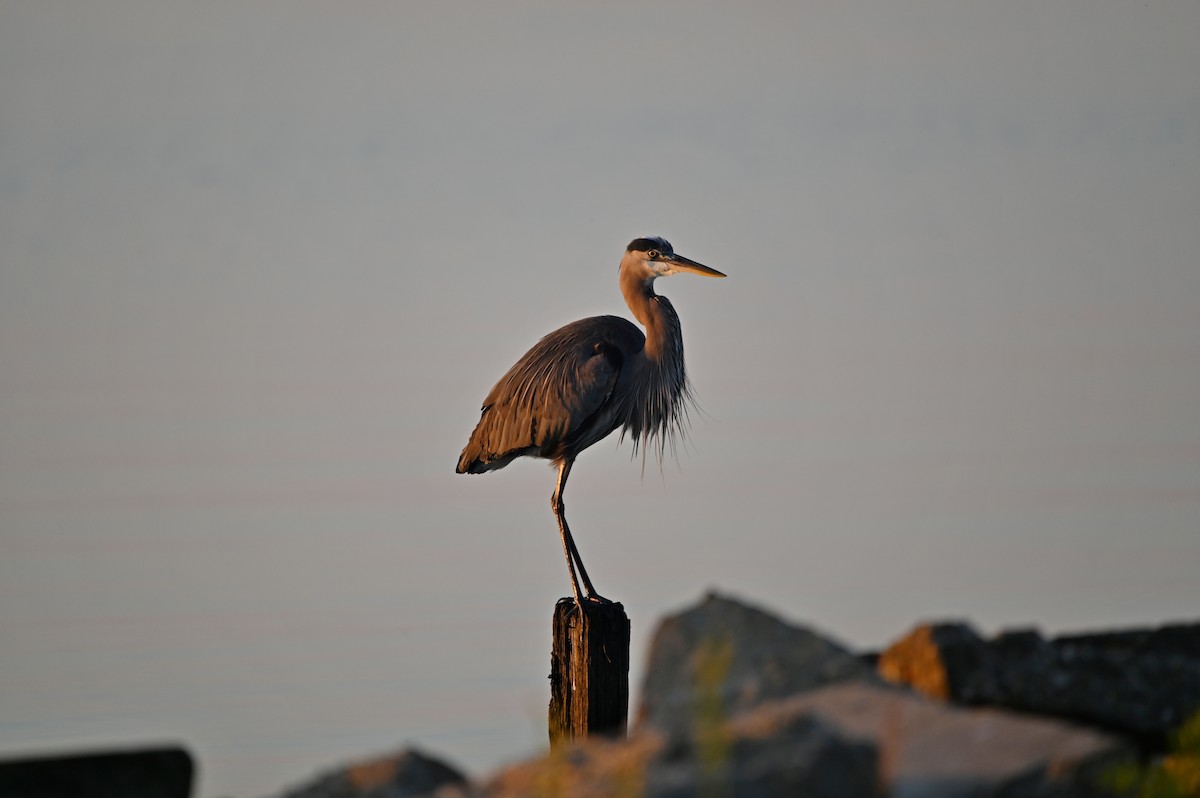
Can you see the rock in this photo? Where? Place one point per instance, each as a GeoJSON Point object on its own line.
{"type": "Point", "coordinates": [151, 773]}
{"type": "Point", "coordinates": [776, 752]}
{"type": "Point", "coordinates": [1143, 682]}
{"type": "Point", "coordinates": [737, 702]}
{"type": "Point", "coordinates": [767, 754]}
{"type": "Point", "coordinates": [940, 660]}
{"type": "Point", "coordinates": [407, 774]}
{"type": "Point", "coordinates": [723, 657]}
{"type": "Point", "coordinates": [756, 757]}
{"type": "Point", "coordinates": [934, 750]}
{"type": "Point", "coordinates": [595, 768]}
{"type": "Point", "coordinates": [854, 739]}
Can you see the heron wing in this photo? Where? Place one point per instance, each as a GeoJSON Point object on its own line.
{"type": "Point", "coordinates": [553, 397]}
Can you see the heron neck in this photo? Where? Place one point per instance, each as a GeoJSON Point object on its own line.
{"type": "Point", "coordinates": [653, 311]}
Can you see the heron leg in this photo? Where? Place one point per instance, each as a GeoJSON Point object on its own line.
{"type": "Point", "coordinates": [564, 531]}
{"type": "Point", "coordinates": [569, 547]}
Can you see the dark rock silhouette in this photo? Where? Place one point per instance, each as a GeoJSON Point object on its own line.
{"type": "Point", "coordinates": [1143, 683]}
{"type": "Point", "coordinates": [148, 773]}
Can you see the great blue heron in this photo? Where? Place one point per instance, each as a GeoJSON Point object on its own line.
{"type": "Point", "coordinates": [582, 381]}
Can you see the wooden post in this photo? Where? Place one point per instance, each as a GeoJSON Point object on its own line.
{"type": "Point", "coordinates": [589, 671]}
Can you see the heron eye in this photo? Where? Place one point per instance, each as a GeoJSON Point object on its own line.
{"type": "Point", "coordinates": [652, 254]}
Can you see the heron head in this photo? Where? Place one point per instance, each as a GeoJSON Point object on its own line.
{"type": "Point", "coordinates": [654, 256]}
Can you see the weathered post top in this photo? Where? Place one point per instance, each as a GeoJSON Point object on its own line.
{"type": "Point", "coordinates": [589, 671]}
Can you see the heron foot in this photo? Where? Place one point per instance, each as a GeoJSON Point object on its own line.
{"type": "Point", "coordinates": [592, 599]}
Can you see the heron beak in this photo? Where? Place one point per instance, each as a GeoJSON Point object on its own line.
{"type": "Point", "coordinates": [682, 264]}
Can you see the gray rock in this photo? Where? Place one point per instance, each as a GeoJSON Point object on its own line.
{"type": "Point", "coordinates": [724, 657]}
{"type": "Point", "coordinates": [848, 740]}
{"type": "Point", "coordinates": [407, 774]}
{"type": "Point", "coordinates": [932, 749]}
{"type": "Point", "coordinates": [1144, 682]}
{"type": "Point", "coordinates": [754, 757]}
{"type": "Point", "coordinates": [767, 754]}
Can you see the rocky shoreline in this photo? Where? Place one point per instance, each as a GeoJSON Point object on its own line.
{"type": "Point", "coordinates": [736, 702]}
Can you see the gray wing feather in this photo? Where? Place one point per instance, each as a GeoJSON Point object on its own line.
{"type": "Point", "coordinates": [552, 392]}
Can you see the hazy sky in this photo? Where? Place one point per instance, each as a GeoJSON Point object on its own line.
{"type": "Point", "coordinates": [260, 262]}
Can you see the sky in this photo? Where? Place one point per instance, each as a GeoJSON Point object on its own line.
{"type": "Point", "coordinates": [259, 263]}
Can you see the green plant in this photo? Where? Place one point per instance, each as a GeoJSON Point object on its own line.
{"type": "Point", "coordinates": [1176, 775]}
{"type": "Point", "coordinates": [711, 731]}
